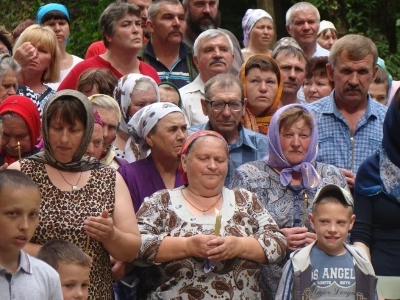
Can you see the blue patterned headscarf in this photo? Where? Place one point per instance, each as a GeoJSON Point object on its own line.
{"type": "Point", "coordinates": [49, 7]}
{"type": "Point", "coordinates": [276, 158]}
{"type": "Point", "coordinates": [251, 17]}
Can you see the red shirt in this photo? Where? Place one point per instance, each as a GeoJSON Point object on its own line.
{"type": "Point", "coordinates": [97, 48]}
{"type": "Point", "coordinates": [71, 81]}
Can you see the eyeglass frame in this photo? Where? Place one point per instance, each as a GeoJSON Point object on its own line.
{"type": "Point", "coordinates": [225, 104]}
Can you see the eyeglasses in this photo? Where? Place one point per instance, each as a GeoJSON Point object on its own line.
{"type": "Point", "coordinates": [219, 105]}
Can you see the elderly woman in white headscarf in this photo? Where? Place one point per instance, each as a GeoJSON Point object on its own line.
{"type": "Point", "coordinates": [258, 32]}
{"type": "Point", "coordinates": [162, 128]}
{"type": "Point", "coordinates": [133, 92]}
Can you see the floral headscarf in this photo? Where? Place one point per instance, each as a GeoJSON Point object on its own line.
{"type": "Point", "coordinates": [249, 121]}
{"type": "Point", "coordinates": [190, 140]}
{"type": "Point", "coordinates": [251, 17]}
{"type": "Point", "coordinates": [145, 119]}
{"type": "Point", "coordinates": [276, 158]}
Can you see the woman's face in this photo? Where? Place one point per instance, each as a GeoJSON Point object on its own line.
{"type": "Point", "coordinates": [169, 95]}
{"type": "Point", "coordinates": [95, 147]}
{"type": "Point", "coordinates": [295, 141]}
{"type": "Point", "coordinates": [15, 130]}
{"type": "Point", "coordinates": [206, 164]}
{"type": "Point", "coordinates": [327, 40]}
{"type": "Point", "coordinates": [262, 33]}
{"type": "Point", "coordinates": [41, 61]}
{"type": "Point", "coordinates": [168, 138]}
{"type": "Point", "coordinates": [141, 99]}
{"type": "Point", "coordinates": [378, 92]}
{"type": "Point", "coordinates": [8, 84]}
{"type": "Point", "coordinates": [316, 88]}
{"type": "Point", "coordinates": [60, 28]}
{"type": "Point", "coordinates": [110, 122]}
{"type": "Point", "coordinates": [261, 89]}
{"type": "Point", "coordinates": [65, 139]}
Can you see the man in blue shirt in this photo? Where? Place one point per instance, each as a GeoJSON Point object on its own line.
{"type": "Point", "coordinates": [224, 104]}
{"type": "Point", "coordinates": [349, 121]}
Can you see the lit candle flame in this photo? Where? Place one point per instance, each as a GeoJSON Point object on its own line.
{"type": "Point", "coordinates": [19, 150]}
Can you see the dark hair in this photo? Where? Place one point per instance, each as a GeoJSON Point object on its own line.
{"type": "Point", "coordinates": [60, 251]}
{"type": "Point", "coordinates": [69, 109]}
{"type": "Point", "coordinates": [262, 63]}
{"type": "Point", "coordinates": [294, 114]}
{"type": "Point", "coordinates": [6, 38]}
{"type": "Point", "coordinates": [317, 67]}
{"type": "Point", "coordinates": [21, 27]}
{"type": "Point", "coordinates": [104, 79]}
{"type": "Point", "coordinates": [331, 197]}
{"type": "Point", "coordinates": [15, 179]}
{"type": "Point", "coordinates": [54, 15]}
{"type": "Point", "coordinates": [325, 31]}
{"type": "Point", "coordinates": [112, 14]}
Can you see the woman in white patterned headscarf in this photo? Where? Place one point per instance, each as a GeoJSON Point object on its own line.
{"type": "Point", "coordinates": [133, 92]}
{"type": "Point", "coordinates": [258, 32]}
{"type": "Point", "coordinates": [162, 128]}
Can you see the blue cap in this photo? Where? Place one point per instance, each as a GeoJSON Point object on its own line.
{"type": "Point", "coordinates": [49, 7]}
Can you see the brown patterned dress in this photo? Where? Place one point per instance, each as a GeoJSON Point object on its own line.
{"type": "Point", "coordinates": [165, 214]}
{"type": "Point", "coordinates": [63, 214]}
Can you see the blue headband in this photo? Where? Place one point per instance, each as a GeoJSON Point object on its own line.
{"type": "Point", "coordinates": [49, 7]}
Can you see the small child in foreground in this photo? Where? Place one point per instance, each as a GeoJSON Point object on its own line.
{"type": "Point", "coordinates": [72, 265]}
{"type": "Point", "coordinates": [329, 268]}
{"type": "Point", "coordinates": [21, 275]}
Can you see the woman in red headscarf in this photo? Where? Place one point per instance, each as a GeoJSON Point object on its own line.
{"type": "Point", "coordinates": [21, 129]}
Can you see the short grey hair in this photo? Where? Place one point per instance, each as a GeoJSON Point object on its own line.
{"type": "Point", "coordinates": [186, 2]}
{"type": "Point", "coordinates": [112, 14]}
{"type": "Point", "coordinates": [155, 7]}
{"type": "Point", "coordinates": [299, 7]}
{"type": "Point", "coordinates": [105, 102]}
{"type": "Point", "coordinates": [222, 81]}
{"type": "Point", "coordinates": [208, 35]}
{"type": "Point", "coordinates": [143, 85]}
{"type": "Point", "coordinates": [8, 63]}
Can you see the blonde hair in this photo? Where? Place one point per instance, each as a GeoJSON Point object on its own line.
{"type": "Point", "coordinates": [46, 37]}
{"type": "Point", "coordinates": [105, 102]}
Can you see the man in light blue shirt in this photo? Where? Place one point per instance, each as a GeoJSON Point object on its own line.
{"type": "Point", "coordinates": [349, 121]}
{"type": "Point", "coordinates": [224, 104]}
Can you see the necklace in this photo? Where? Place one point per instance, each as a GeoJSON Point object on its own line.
{"type": "Point", "coordinates": [73, 186]}
{"type": "Point", "coordinates": [202, 210]}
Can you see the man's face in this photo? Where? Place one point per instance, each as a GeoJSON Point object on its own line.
{"type": "Point", "coordinates": [293, 70]}
{"type": "Point", "coordinates": [224, 121]}
{"type": "Point", "coordinates": [304, 27]}
{"type": "Point", "coordinates": [143, 6]}
{"type": "Point", "coordinates": [214, 57]}
{"type": "Point", "coordinates": [201, 15]}
{"type": "Point", "coordinates": [169, 24]}
{"type": "Point", "coordinates": [352, 78]}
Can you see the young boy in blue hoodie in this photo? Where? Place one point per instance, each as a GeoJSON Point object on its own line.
{"type": "Point", "coordinates": [329, 268]}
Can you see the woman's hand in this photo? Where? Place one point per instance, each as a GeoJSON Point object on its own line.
{"type": "Point", "coordinates": [4, 166]}
{"type": "Point", "coordinates": [100, 228]}
{"type": "Point", "coordinates": [296, 237]}
{"type": "Point", "coordinates": [118, 269]}
{"type": "Point", "coordinates": [350, 177]}
{"type": "Point", "coordinates": [25, 53]}
{"type": "Point", "coordinates": [223, 248]}
{"type": "Point", "coordinates": [198, 245]}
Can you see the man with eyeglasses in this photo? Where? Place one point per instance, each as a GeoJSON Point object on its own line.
{"type": "Point", "coordinates": [213, 55]}
{"type": "Point", "coordinates": [224, 104]}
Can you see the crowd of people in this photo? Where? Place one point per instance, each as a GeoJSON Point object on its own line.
{"type": "Point", "coordinates": [171, 163]}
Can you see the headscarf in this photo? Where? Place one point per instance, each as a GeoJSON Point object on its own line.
{"type": "Point", "coordinates": [79, 163]}
{"type": "Point", "coordinates": [249, 121]}
{"type": "Point", "coordinates": [381, 173]}
{"type": "Point", "coordinates": [175, 88]}
{"type": "Point", "coordinates": [123, 92]}
{"type": "Point", "coordinates": [190, 140]}
{"type": "Point", "coordinates": [325, 25]}
{"type": "Point", "coordinates": [145, 119]}
{"type": "Point", "coordinates": [276, 158]}
{"type": "Point", "coordinates": [27, 110]}
{"type": "Point", "coordinates": [49, 7]}
{"type": "Point", "coordinates": [251, 17]}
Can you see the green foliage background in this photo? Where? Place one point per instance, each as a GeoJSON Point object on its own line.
{"type": "Point", "coordinates": [373, 18]}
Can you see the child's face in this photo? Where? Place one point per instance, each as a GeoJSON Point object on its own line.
{"type": "Point", "coordinates": [19, 216]}
{"type": "Point", "coordinates": [74, 281]}
{"type": "Point", "coordinates": [332, 222]}
{"type": "Point", "coordinates": [378, 92]}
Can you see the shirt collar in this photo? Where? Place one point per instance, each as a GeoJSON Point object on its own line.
{"type": "Point", "coordinates": [183, 50]}
{"type": "Point", "coordinates": [24, 263]}
{"type": "Point", "coordinates": [195, 86]}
